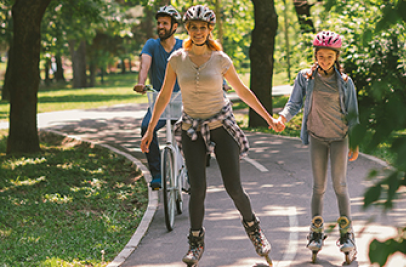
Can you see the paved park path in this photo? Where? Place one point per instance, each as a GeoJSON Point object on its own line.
{"type": "Point", "coordinates": [276, 175]}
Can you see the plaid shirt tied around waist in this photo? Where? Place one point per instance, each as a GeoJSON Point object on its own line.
{"type": "Point", "coordinates": [225, 116]}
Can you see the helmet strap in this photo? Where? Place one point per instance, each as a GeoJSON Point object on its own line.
{"type": "Point", "coordinates": [325, 71]}
{"type": "Point", "coordinates": [199, 44]}
{"type": "Point", "coordinates": [205, 42]}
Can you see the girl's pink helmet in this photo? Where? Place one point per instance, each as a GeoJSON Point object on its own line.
{"type": "Point", "coordinates": [327, 39]}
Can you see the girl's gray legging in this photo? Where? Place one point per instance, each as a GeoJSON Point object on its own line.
{"type": "Point", "coordinates": [227, 155]}
{"type": "Point", "coordinates": [320, 151]}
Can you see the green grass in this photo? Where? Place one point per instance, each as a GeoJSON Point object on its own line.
{"type": "Point", "coordinates": [71, 205]}
{"type": "Point", "coordinates": [117, 89]}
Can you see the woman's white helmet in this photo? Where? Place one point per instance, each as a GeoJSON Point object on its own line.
{"type": "Point", "coordinates": [200, 13]}
{"type": "Point", "coordinates": [169, 11]}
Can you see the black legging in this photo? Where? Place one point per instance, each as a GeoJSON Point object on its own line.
{"type": "Point", "coordinates": [227, 155]}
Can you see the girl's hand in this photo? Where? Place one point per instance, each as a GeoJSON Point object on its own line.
{"type": "Point", "coordinates": [275, 125]}
{"type": "Point", "coordinates": [353, 154]}
{"type": "Point", "coordinates": [279, 125]}
{"type": "Point", "coordinates": [146, 141]}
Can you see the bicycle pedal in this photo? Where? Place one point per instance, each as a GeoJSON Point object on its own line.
{"type": "Point", "coordinates": [187, 191]}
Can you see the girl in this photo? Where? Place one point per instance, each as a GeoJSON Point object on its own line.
{"type": "Point", "coordinates": [330, 111]}
{"type": "Point", "coordinates": [208, 125]}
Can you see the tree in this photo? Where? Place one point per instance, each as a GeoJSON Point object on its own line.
{"type": "Point", "coordinates": [302, 8]}
{"type": "Point", "coordinates": [23, 135]}
{"type": "Point", "coordinates": [261, 55]}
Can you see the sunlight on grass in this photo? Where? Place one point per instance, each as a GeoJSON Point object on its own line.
{"type": "Point", "coordinates": [54, 215]}
{"type": "Point", "coordinates": [116, 90]}
{"type": "Point", "coordinates": [27, 181]}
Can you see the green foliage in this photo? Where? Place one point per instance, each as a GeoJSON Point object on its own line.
{"type": "Point", "coordinates": [379, 252]}
{"type": "Point", "coordinates": [298, 48]}
{"type": "Point", "coordinates": [105, 25]}
{"type": "Point", "coordinates": [70, 205]}
{"type": "Point", "coordinates": [238, 23]}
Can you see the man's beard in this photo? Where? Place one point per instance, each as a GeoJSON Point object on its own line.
{"type": "Point", "coordinates": [164, 35]}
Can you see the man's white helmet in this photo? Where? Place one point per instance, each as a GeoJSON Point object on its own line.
{"type": "Point", "coordinates": [169, 11]}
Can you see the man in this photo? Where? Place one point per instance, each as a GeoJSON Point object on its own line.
{"type": "Point", "coordinates": [154, 56]}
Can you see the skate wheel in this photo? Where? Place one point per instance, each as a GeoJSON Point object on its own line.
{"type": "Point", "coordinates": [350, 257]}
{"type": "Point", "coordinates": [268, 260]}
{"type": "Point", "coordinates": [314, 256]}
{"type": "Point", "coordinates": [347, 258]}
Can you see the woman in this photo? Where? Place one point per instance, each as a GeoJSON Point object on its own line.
{"type": "Point", "coordinates": [208, 125]}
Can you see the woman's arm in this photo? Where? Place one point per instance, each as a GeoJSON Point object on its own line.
{"type": "Point", "coordinates": [162, 101]}
{"type": "Point", "coordinates": [248, 96]}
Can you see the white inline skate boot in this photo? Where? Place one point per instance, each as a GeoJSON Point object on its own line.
{"type": "Point", "coordinates": [346, 242]}
{"type": "Point", "coordinates": [316, 236]}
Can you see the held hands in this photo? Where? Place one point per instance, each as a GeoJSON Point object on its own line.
{"type": "Point", "coordinates": [140, 88]}
{"type": "Point", "coordinates": [353, 154]}
{"type": "Point", "coordinates": [277, 125]}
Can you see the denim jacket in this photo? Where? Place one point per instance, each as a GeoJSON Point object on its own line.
{"type": "Point", "coordinates": [303, 87]}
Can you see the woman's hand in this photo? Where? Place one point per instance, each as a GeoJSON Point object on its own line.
{"type": "Point", "coordinates": [146, 141]}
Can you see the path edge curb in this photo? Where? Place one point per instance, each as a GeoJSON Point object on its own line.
{"type": "Point", "coordinates": [152, 207]}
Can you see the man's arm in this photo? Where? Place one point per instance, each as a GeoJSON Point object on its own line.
{"type": "Point", "coordinates": [146, 61]}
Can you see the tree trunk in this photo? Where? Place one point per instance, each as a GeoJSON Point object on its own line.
{"type": "Point", "coordinates": [46, 69]}
{"type": "Point", "coordinates": [123, 69]}
{"type": "Point", "coordinates": [149, 24]}
{"type": "Point", "coordinates": [93, 72]}
{"type": "Point", "coordinates": [261, 55]}
{"type": "Point", "coordinates": [59, 76]}
{"type": "Point", "coordinates": [25, 78]}
{"type": "Point", "coordinates": [78, 63]}
{"type": "Point", "coordinates": [302, 8]}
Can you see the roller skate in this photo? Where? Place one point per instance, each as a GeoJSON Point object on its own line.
{"type": "Point", "coordinates": [346, 242]}
{"type": "Point", "coordinates": [258, 239]}
{"type": "Point", "coordinates": [316, 237]}
{"type": "Point", "coordinates": [196, 248]}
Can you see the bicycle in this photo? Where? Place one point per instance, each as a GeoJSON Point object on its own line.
{"type": "Point", "coordinates": [173, 169]}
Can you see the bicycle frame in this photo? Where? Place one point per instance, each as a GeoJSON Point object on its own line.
{"type": "Point", "coordinates": [173, 171]}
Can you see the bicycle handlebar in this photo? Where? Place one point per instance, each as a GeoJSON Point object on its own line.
{"type": "Point", "coordinates": [149, 88]}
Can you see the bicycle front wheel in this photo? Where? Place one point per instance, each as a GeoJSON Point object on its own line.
{"type": "Point", "coordinates": [169, 189]}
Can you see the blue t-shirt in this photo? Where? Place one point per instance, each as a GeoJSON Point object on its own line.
{"type": "Point", "coordinates": [160, 57]}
